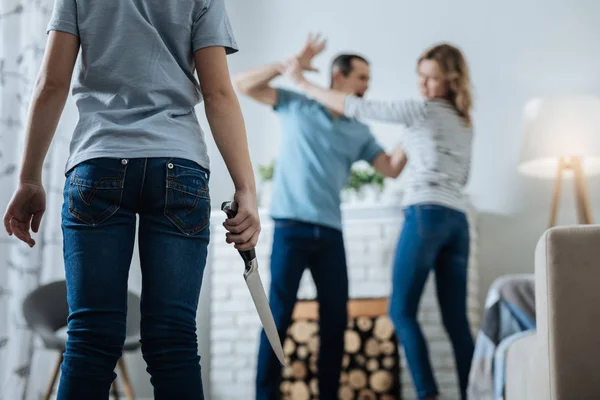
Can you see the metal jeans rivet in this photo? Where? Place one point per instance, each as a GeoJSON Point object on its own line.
{"type": "Point", "coordinates": [170, 166]}
{"type": "Point", "coordinates": [124, 161]}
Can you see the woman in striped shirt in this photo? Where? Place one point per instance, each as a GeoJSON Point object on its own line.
{"type": "Point", "coordinates": [435, 235]}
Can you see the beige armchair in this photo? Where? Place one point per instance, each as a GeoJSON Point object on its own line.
{"type": "Point", "coordinates": [561, 361]}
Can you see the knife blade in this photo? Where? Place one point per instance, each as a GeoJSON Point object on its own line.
{"type": "Point", "coordinates": [257, 291]}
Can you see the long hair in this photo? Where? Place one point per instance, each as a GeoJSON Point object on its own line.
{"type": "Point", "coordinates": [456, 71]}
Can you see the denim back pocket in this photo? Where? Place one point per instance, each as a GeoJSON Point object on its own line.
{"type": "Point", "coordinates": [96, 189]}
{"type": "Point", "coordinates": [187, 203]}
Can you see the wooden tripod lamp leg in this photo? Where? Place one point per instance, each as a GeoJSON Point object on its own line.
{"type": "Point", "coordinates": [562, 165]}
{"type": "Point", "coordinates": [582, 198]}
{"type": "Point", "coordinates": [55, 372]}
{"type": "Point", "coordinates": [126, 382]}
{"type": "Point", "coordinates": [115, 389]}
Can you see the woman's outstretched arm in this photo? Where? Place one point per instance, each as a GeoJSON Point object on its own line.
{"type": "Point", "coordinates": [405, 112]}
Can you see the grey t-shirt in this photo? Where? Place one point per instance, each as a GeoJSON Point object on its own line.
{"type": "Point", "coordinates": [134, 82]}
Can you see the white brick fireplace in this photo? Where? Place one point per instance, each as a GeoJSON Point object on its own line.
{"type": "Point", "coordinates": [370, 235]}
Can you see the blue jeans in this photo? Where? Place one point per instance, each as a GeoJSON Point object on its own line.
{"type": "Point", "coordinates": [433, 238]}
{"type": "Point", "coordinates": [102, 198]}
{"type": "Point", "coordinates": [296, 246]}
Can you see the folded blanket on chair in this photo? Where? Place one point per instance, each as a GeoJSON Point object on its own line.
{"type": "Point", "coordinates": [509, 310]}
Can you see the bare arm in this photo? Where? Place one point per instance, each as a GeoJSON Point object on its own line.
{"type": "Point", "coordinates": [28, 204]}
{"type": "Point", "coordinates": [224, 115]}
{"type": "Point", "coordinates": [255, 83]}
{"type": "Point", "coordinates": [48, 101]}
{"type": "Point", "coordinates": [227, 125]}
{"type": "Point", "coordinates": [390, 165]}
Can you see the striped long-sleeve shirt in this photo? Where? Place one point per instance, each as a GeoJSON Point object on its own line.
{"type": "Point", "coordinates": [437, 143]}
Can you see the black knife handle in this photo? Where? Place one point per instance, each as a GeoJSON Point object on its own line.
{"type": "Point", "coordinates": [231, 211]}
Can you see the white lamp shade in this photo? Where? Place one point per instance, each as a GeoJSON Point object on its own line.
{"type": "Point", "coordinates": [557, 127]}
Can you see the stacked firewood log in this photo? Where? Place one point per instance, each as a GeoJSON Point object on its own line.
{"type": "Point", "coordinates": [370, 367]}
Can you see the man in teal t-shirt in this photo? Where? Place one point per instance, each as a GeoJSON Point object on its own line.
{"type": "Point", "coordinates": [317, 151]}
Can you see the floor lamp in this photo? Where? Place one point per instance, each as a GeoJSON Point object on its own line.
{"type": "Point", "coordinates": [561, 138]}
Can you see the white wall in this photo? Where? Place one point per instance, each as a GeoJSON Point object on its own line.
{"type": "Point", "coordinates": [517, 49]}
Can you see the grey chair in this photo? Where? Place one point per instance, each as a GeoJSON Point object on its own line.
{"type": "Point", "coordinates": [46, 312]}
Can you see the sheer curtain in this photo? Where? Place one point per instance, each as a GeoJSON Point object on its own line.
{"type": "Point", "coordinates": [24, 366]}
